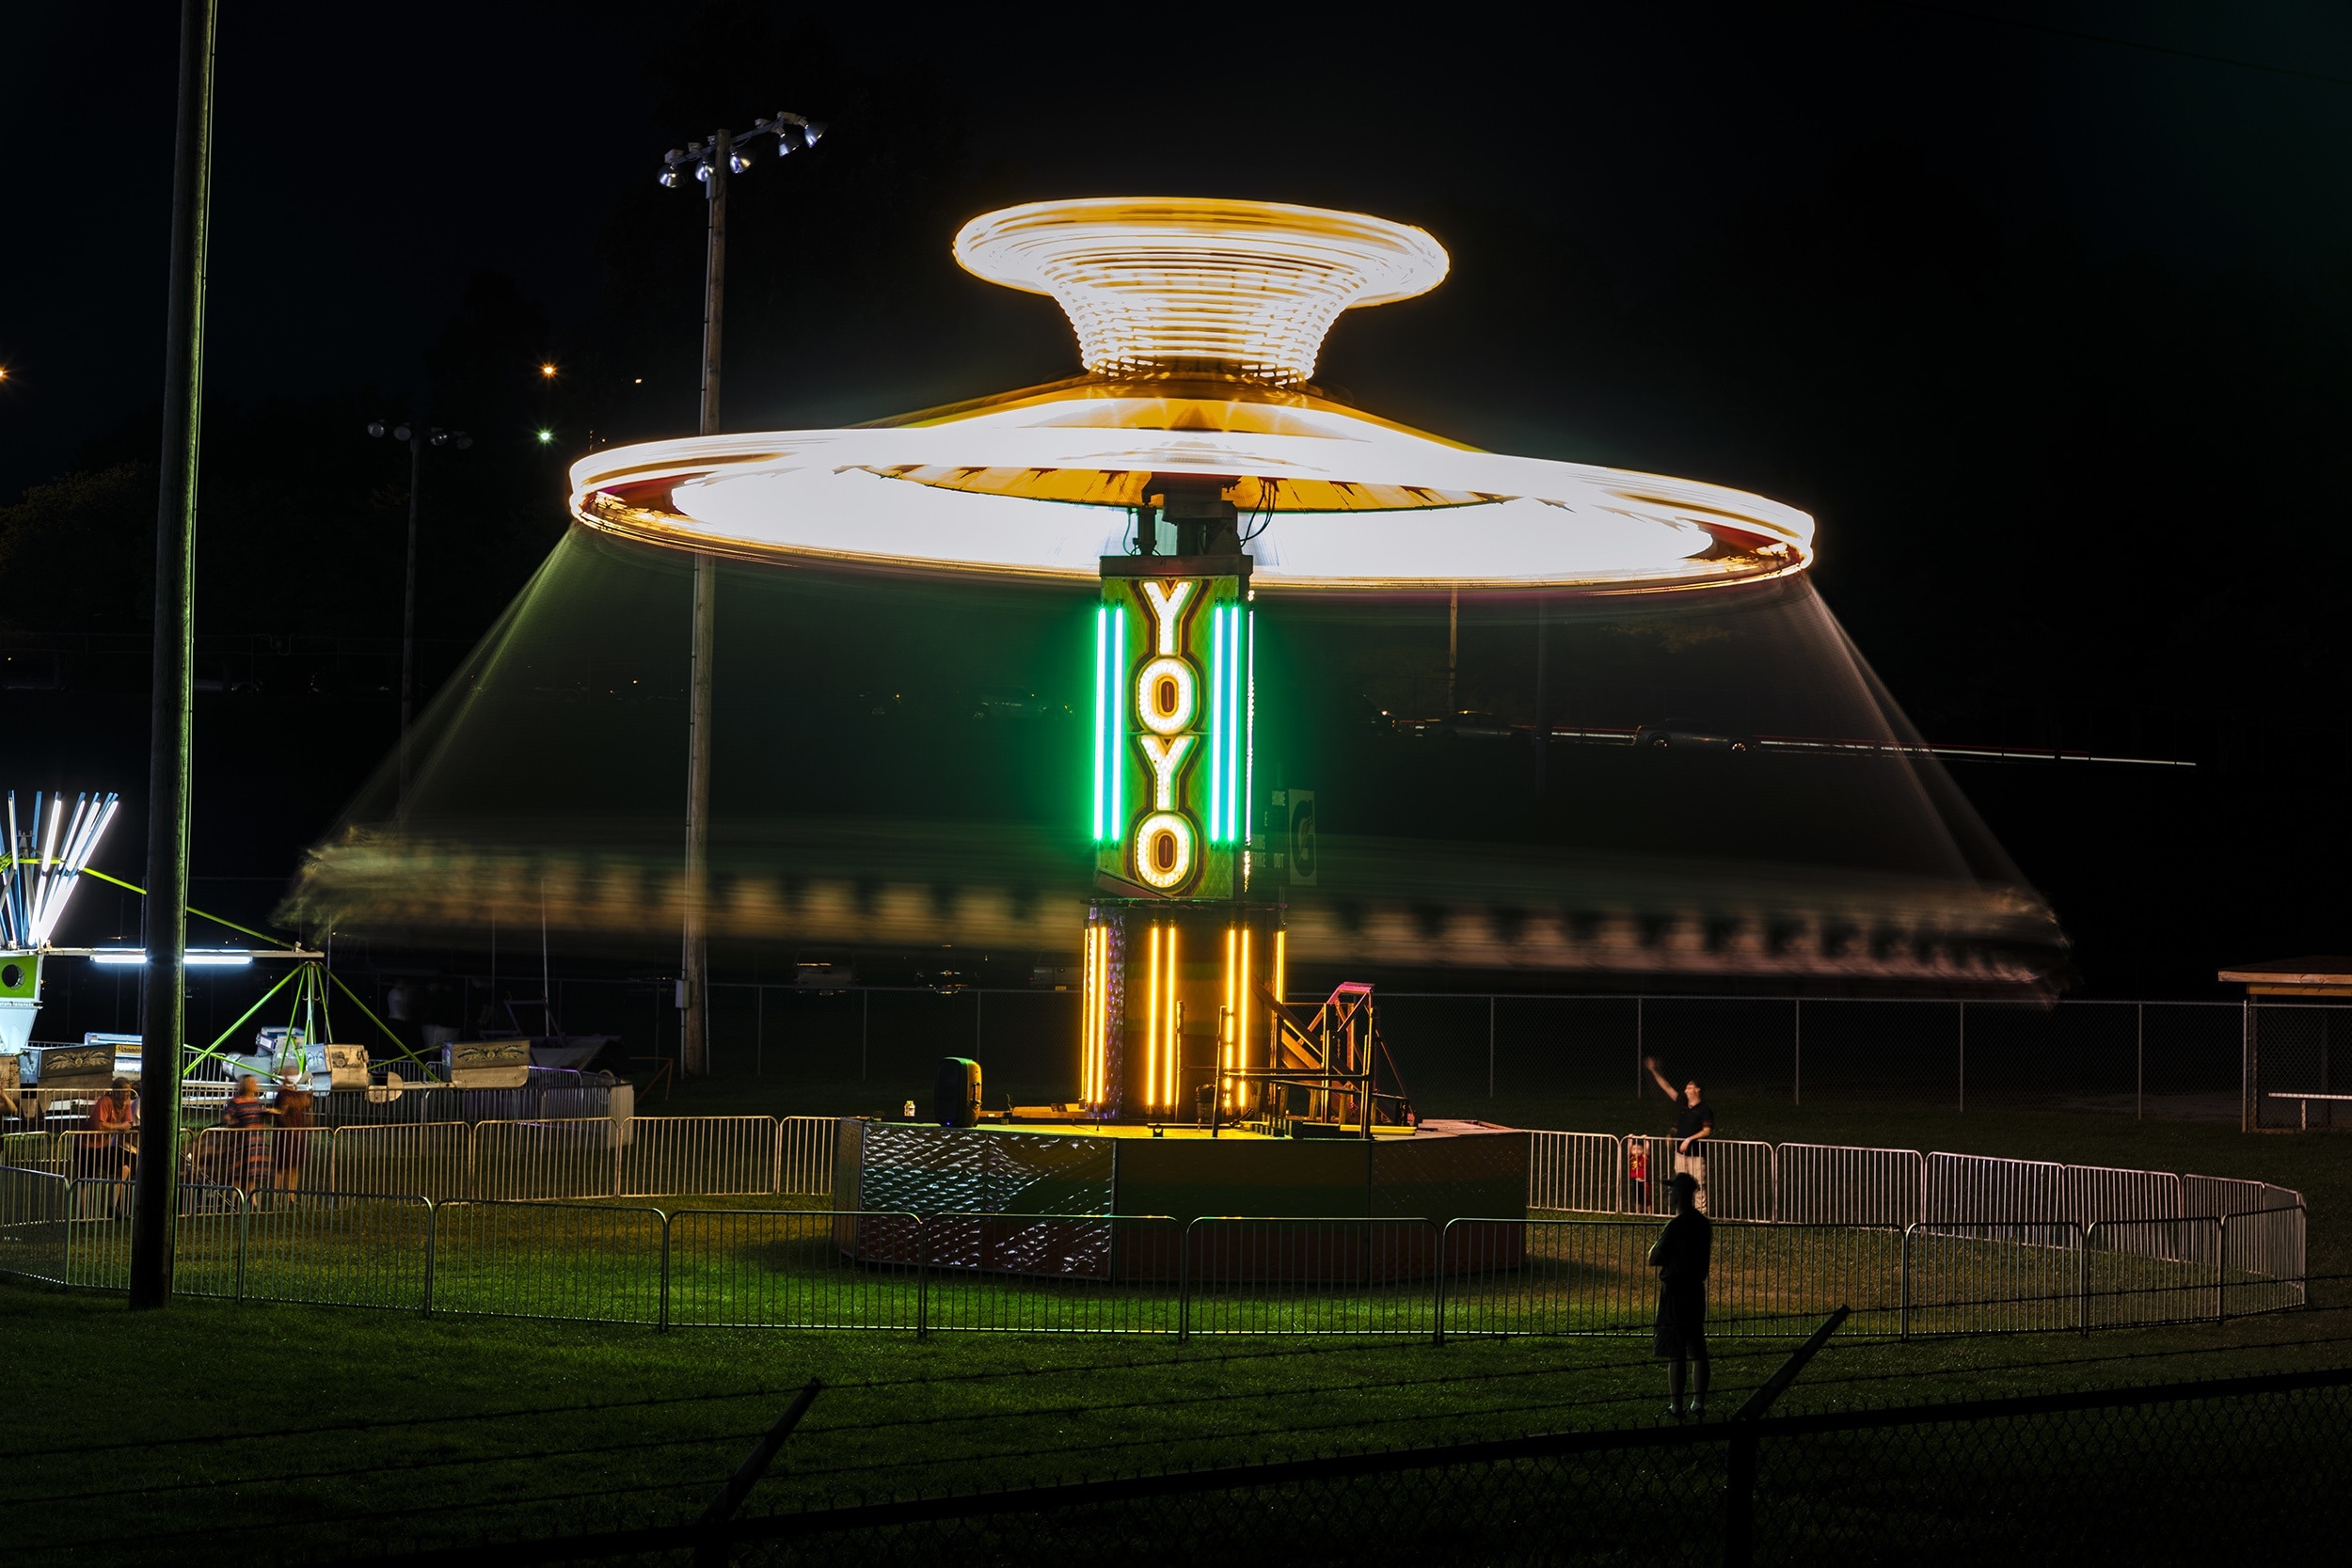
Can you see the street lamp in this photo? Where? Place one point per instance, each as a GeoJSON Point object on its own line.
{"type": "Point", "coordinates": [417, 437]}
{"type": "Point", "coordinates": [712, 161]}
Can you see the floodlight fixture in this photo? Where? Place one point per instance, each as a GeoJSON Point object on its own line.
{"type": "Point", "coordinates": [793, 133]}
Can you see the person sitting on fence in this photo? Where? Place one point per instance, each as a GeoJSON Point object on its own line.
{"type": "Point", "coordinates": [108, 1147]}
{"type": "Point", "coordinates": [247, 1117]}
{"type": "Point", "coordinates": [1692, 1123]}
{"type": "Point", "coordinates": [1684, 1249]}
{"type": "Point", "coordinates": [291, 1148]}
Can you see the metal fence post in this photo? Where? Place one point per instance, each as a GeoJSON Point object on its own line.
{"type": "Point", "coordinates": [1437, 1300]}
{"type": "Point", "coordinates": [244, 1221]}
{"type": "Point", "coordinates": [432, 1227]}
{"type": "Point", "coordinates": [2222, 1271]}
{"type": "Point", "coordinates": [2082, 1280]}
{"type": "Point", "coordinates": [1183, 1281]}
{"type": "Point", "coordinates": [1445, 1234]}
{"type": "Point", "coordinates": [2246, 1065]}
{"type": "Point", "coordinates": [922, 1278]}
{"type": "Point", "coordinates": [663, 1322]}
{"type": "Point", "coordinates": [1903, 1287]}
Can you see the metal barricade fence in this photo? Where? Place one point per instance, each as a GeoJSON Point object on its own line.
{"type": "Point", "coordinates": [1735, 1178]}
{"type": "Point", "coordinates": [34, 1206]}
{"type": "Point", "coordinates": [1522, 1276]}
{"type": "Point", "coordinates": [414, 1159]}
{"type": "Point", "coordinates": [207, 1238]}
{"type": "Point", "coordinates": [521, 1160]}
{"type": "Point", "coordinates": [2096, 1192]}
{"type": "Point", "coordinates": [1741, 1181]}
{"type": "Point", "coordinates": [1967, 1189]}
{"type": "Point", "coordinates": [1772, 1278]}
{"type": "Point", "coordinates": [1337, 1274]}
{"type": "Point", "coordinates": [2140, 1271]}
{"type": "Point", "coordinates": [795, 1268]}
{"type": "Point", "coordinates": [698, 1156]}
{"type": "Point", "coordinates": [42, 1151]}
{"type": "Point", "coordinates": [1577, 1172]}
{"type": "Point", "coordinates": [1992, 1277]}
{"type": "Point", "coordinates": [2261, 1259]}
{"type": "Point", "coordinates": [337, 1249]}
{"type": "Point", "coordinates": [584, 1262]}
{"type": "Point", "coordinates": [1829, 1184]}
{"type": "Point", "coordinates": [804, 1155]}
{"type": "Point", "coordinates": [1053, 1273]}
{"type": "Point", "coordinates": [256, 1158]}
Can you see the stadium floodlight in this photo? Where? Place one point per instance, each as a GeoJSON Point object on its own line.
{"type": "Point", "coordinates": [726, 152]}
{"type": "Point", "coordinates": [44, 858]}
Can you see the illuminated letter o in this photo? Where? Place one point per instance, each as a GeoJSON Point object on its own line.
{"type": "Point", "coordinates": [1166, 696]}
{"type": "Point", "coordinates": [1164, 850]}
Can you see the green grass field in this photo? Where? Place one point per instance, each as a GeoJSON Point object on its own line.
{"type": "Point", "coordinates": [179, 1434]}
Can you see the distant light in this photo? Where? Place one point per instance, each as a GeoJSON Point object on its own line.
{"type": "Point", "coordinates": [118, 956]}
{"type": "Point", "coordinates": [3, 372]}
{"type": "Point", "coordinates": [739, 161]}
{"type": "Point", "coordinates": [547, 370]}
{"type": "Point", "coordinates": [701, 172]}
{"type": "Point", "coordinates": [668, 179]}
{"type": "Point", "coordinates": [224, 958]}
{"type": "Point", "coordinates": [810, 132]}
{"type": "Point", "coordinates": [545, 436]}
{"type": "Point", "coordinates": [639, 382]}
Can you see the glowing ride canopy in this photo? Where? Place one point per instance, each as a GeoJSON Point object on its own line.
{"type": "Point", "coordinates": [1199, 321]}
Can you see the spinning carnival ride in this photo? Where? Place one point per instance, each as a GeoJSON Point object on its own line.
{"type": "Point", "coordinates": [1279, 587]}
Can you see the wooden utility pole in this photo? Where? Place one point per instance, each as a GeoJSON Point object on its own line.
{"type": "Point", "coordinates": [694, 961]}
{"type": "Point", "coordinates": [171, 734]}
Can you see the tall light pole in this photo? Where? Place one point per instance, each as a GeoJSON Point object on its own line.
{"type": "Point", "coordinates": [418, 438]}
{"type": "Point", "coordinates": [171, 732]}
{"type": "Point", "coordinates": [712, 161]}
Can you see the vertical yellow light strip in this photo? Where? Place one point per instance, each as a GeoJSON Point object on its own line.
{"type": "Point", "coordinates": [1241, 1011]}
{"type": "Point", "coordinates": [1086, 1026]}
{"type": "Point", "coordinates": [1094, 1076]}
{"type": "Point", "coordinates": [1229, 1015]}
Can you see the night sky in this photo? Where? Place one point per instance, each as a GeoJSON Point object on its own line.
{"type": "Point", "coordinates": [2049, 330]}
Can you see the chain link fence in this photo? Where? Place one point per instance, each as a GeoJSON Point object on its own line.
{"type": "Point", "coordinates": [2265, 1062]}
{"type": "Point", "coordinates": [2169, 1472]}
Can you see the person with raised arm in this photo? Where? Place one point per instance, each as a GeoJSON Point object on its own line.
{"type": "Point", "coordinates": [1694, 1124]}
